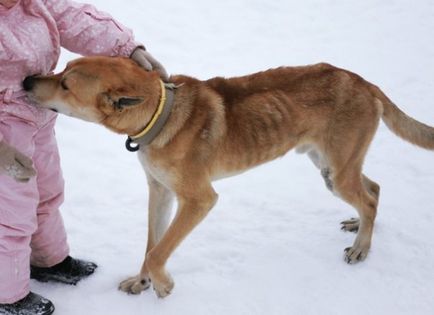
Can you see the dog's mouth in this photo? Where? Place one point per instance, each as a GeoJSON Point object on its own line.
{"type": "Point", "coordinates": [54, 110]}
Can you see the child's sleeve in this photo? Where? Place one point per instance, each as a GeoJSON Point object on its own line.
{"type": "Point", "coordinates": [87, 31]}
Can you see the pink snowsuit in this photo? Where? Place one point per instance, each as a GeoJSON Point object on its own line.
{"type": "Point", "coordinates": [31, 34]}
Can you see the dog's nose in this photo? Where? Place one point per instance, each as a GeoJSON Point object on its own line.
{"type": "Point", "coordinates": [29, 83]}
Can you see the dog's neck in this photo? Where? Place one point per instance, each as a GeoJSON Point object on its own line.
{"type": "Point", "coordinates": [158, 119]}
{"type": "Point", "coordinates": [134, 120]}
{"type": "Point", "coordinates": [180, 112]}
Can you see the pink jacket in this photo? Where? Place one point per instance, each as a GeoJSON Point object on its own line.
{"type": "Point", "coordinates": [32, 32]}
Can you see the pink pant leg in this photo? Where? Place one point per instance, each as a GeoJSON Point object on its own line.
{"type": "Point", "coordinates": [49, 244]}
{"type": "Point", "coordinates": [30, 223]}
{"type": "Point", "coordinates": [18, 203]}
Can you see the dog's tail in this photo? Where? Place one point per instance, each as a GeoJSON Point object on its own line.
{"type": "Point", "coordinates": [403, 125]}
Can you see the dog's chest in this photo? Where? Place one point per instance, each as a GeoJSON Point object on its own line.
{"type": "Point", "coordinates": [154, 169]}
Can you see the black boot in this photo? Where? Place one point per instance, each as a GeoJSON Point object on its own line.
{"type": "Point", "coordinates": [32, 304]}
{"type": "Point", "coordinates": [69, 271]}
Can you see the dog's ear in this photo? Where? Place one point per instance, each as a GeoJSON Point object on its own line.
{"type": "Point", "coordinates": [111, 102]}
{"type": "Point", "coordinates": [127, 101]}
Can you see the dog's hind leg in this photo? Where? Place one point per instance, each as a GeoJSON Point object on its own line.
{"type": "Point", "coordinates": [318, 160]}
{"type": "Point", "coordinates": [349, 186]}
{"type": "Point", "coordinates": [352, 225]}
{"type": "Point", "coordinates": [372, 187]}
{"type": "Point", "coordinates": [346, 155]}
{"type": "Point", "coordinates": [341, 168]}
{"type": "Point", "coordinates": [345, 144]}
{"type": "Point", "coordinates": [160, 206]}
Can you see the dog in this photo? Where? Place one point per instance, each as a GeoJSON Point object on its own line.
{"type": "Point", "coordinates": [191, 132]}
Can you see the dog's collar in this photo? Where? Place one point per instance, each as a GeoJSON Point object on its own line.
{"type": "Point", "coordinates": [158, 120]}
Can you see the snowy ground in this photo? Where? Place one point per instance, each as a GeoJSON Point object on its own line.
{"type": "Point", "coordinates": [272, 245]}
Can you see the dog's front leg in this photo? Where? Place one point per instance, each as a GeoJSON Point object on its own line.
{"type": "Point", "coordinates": [192, 208]}
{"type": "Point", "coordinates": [160, 206]}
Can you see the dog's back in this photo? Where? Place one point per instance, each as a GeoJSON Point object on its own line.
{"type": "Point", "coordinates": [268, 113]}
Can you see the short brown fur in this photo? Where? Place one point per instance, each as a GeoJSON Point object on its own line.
{"type": "Point", "coordinates": [221, 127]}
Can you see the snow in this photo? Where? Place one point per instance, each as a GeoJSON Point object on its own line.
{"type": "Point", "coordinates": [272, 244]}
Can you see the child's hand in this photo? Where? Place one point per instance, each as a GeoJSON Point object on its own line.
{"type": "Point", "coordinates": [15, 164]}
{"type": "Point", "coordinates": [145, 60]}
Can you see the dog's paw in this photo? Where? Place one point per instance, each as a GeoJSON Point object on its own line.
{"type": "Point", "coordinates": [163, 288]}
{"type": "Point", "coordinates": [135, 285]}
{"type": "Point", "coordinates": [355, 254]}
{"type": "Point", "coordinates": [351, 225]}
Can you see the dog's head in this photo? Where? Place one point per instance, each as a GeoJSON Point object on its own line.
{"type": "Point", "coordinates": [113, 91]}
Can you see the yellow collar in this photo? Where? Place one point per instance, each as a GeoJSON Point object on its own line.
{"type": "Point", "coordinates": [158, 120]}
{"type": "Point", "coordinates": [156, 114]}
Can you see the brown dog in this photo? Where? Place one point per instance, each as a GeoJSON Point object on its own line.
{"type": "Point", "coordinates": [220, 127]}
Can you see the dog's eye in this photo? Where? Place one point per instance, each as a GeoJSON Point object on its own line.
{"type": "Point", "coordinates": [63, 85]}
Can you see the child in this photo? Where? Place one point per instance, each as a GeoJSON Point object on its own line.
{"type": "Point", "coordinates": [32, 236]}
